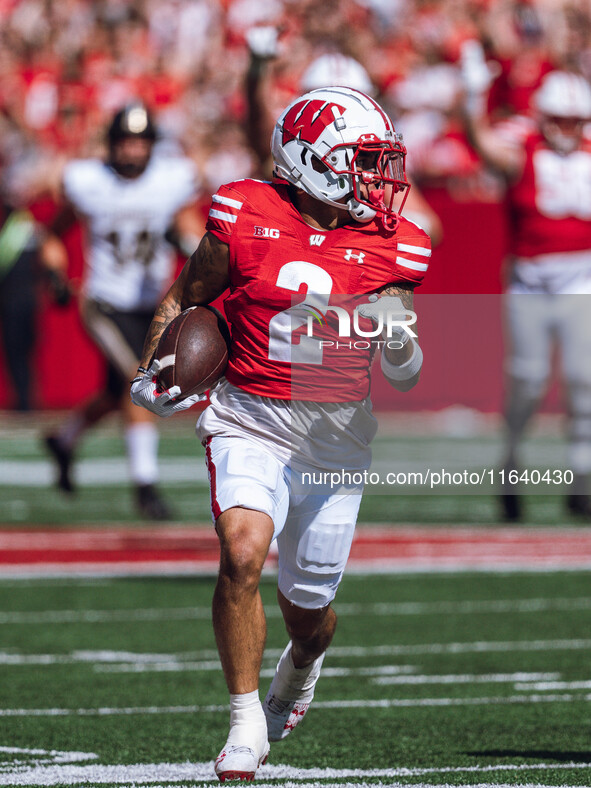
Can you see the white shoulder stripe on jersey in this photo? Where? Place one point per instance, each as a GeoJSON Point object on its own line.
{"type": "Point", "coordinates": [226, 217]}
{"type": "Point", "coordinates": [227, 201]}
{"type": "Point", "coordinates": [420, 250]}
{"type": "Point", "coordinates": [405, 263]}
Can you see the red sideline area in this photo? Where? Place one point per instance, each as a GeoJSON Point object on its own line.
{"type": "Point", "coordinates": [186, 550]}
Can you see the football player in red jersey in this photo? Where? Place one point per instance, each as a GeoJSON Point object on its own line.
{"type": "Point", "coordinates": [327, 229]}
{"type": "Point", "coordinates": [546, 159]}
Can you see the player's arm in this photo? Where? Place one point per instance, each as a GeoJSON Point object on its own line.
{"type": "Point", "coordinates": [402, 356]}
{"type": "Point", "coordinates": [402, 366]}
{"type": "Point", "coordinates": [203, 278]}
{"type": "Point", "coordinates": [497, 150]}
{"type": "Point", "coordinates": [188, 227]}
{"type": "Point", "coordinates": [53, 255]}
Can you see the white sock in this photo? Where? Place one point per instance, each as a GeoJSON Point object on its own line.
{"type": "Point", "coordinates": [291, 683]}
{"type": "Point", "coordinates": [142, 452]}
{"type": "Point", "coordinates": [71, 430]}
{"type": "Point", "coordinates": [247, 720]}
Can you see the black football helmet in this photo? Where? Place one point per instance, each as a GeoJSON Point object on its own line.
{"type": "Point", "coordinates": [132, 122]}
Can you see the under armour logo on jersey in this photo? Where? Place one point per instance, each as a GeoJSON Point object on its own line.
{"type": "Point", "coordinates": [351, 255]}
{"type": "Point", "coordinates": [308, 119]}
{"type": "Point", "coordinates": [316, 240]}
{"type": "Point", "coordinates": [265, 232]}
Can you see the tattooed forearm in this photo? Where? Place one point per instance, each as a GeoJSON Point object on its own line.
{"type": "Point", "coordinates": [403, 291]}
{"type": "Point", "coordinates": [206, 272]}
{"type": "Point", "coordinates": [203, 278]}
{"type": "Point", "coordinates": [167, 311]}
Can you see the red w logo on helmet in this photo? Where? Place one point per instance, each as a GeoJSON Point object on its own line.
{"type": "Point", "coordinates": [308, 119]}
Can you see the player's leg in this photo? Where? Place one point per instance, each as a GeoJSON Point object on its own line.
{"type": "Point", "coordinates": [62, 443]}
{"type": "Point", "coordinates": [141, 441]}
{"type": "Point", "coordinates": [240, 631]}
{"type": "Point", "coordinates": [574, 331]}
{"type": "Point", "coordinates": [249, 504]}
{"type": "Point", "coordinates": [120, 336]}
{"type": "Point", "coordinates": [313, 551]}
{"type": "Point", "coordinates": [527, 368]}
{"type": "Point", "coordinates": [238, 616]}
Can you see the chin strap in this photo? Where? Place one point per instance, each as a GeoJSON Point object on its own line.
{"type": "Point", "coordinates": [364, 213]}
{"type": "Point", "coordinates": [360, 212]}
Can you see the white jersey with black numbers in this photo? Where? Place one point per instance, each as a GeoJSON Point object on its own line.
{"type": "Point", "coordinates": [129, 265]}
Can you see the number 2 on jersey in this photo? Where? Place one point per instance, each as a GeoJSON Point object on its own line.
{"type": "Point", "coordinates": [282, 325]}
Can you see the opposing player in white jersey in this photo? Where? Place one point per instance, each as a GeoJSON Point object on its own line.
{"type": "Point", "coordinates": [326, 234]}
{"type": "Point", "coordinates": [547, 163]}
{"type": "Point", "coordinates": [127, 204]}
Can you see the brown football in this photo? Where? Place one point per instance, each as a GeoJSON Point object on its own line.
{"type": "Point", "coordinates": [193, 350]}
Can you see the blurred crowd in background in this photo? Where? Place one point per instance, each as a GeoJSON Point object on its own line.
{"type": "Point", "coordinates": [215, 73]}
{"type": "Point", "coordinates": [67, 65]}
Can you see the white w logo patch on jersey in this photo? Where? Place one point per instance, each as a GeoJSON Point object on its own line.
{"type": "Point", "coordinates": [351, 255]}
{"type": "Point", "coordinates": [316, 240]}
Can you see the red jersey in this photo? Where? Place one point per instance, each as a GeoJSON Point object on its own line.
{"type": "Point", "coordinates": [286, 275]}
{"type": "Point", "coordinates": [550, 206]}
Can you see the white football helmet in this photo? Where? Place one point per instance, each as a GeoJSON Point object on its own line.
{"type": "Point", "coordinates": [335, 68]}
{"type": "Point", "coordinates": [338, 145]}
{"type": "Point", "coordinates": [563, 94]}
{"type": "Point", "coordinates": [563, 102]}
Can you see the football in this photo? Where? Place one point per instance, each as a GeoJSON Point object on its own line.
{"type": "Point", "coordinates": [193, 351]}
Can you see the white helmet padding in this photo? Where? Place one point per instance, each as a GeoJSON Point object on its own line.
{"type": "Point", "coordinates": [321, 143]}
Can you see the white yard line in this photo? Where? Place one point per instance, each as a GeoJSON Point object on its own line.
{"type": "Point", "coordinates": [380, 784]}
{"type": "Point", "coordinates": [189, 774]}
{"type": "Point", "coordinates": [471, 678]}
{"type": "Point", "coordinates": [174, 666]}
{"type": "Point", "coordinates": [97, 472]}
{"type": "Point", "coordinates": [209, 655]}
{"type": "Point", "coordinates": [479, 646]}
{"type": "Point", "coordinates": [109, 711]}
{"type": "Point", "coordinates": [16, 573]}
{"type": "Point", "coordinates": [346, 609]}
{"type": "Point", "coordinates": [554, 685]}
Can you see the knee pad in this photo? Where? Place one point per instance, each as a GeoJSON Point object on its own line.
{"type": "Point", "coordinates": [314, 547]}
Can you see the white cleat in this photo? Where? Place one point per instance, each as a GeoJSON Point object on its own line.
{"type": "Point", "coordinates": [239, 762]}
{"type": "Point", "coordinates": [290, 695]}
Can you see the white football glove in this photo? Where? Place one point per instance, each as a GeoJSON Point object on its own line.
{"type": "Point", "coordinates": [263, 41]}
{"type": "Point", "coordinates": [144, 394]}
{"type": "Point", "coordinates": [390, 309]}
{"type": "Point", "coordinates": [477, 75]}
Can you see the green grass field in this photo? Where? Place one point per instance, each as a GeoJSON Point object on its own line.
{"type": "Point", "coordinates": [116, 682]}
{"type": "Point", "coordinates": [28, 497]}
{"type": "Point", "coordinates": [433, 679]}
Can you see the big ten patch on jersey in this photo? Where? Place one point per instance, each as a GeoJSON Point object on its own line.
{"type": "Point", "coordinates": [279, 267]}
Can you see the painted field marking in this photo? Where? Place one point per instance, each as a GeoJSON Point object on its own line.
{"type": "Point", "coordinates": [266, 673]}
{"type": "Point", "coordinates": [554, 685]}
{"type": "Point", "coordinates": [472, 678]}
{"type": "Point", "coordinates": [379, 784]}
{"type": "Point", "coordinates": [97, 472]}
{"type": "Point", "coordinates": [46, 756]}
{"type": "Point", "coordinates": [202, 773]}
{"type": "Point", "coordinates": [116, 552]}
{"type": "Point", "coordinates": [382, 703]}
{"type": "Point", "coordinates": [210, 655]}
{"type": "Point", "coordinates": [346, 609]}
